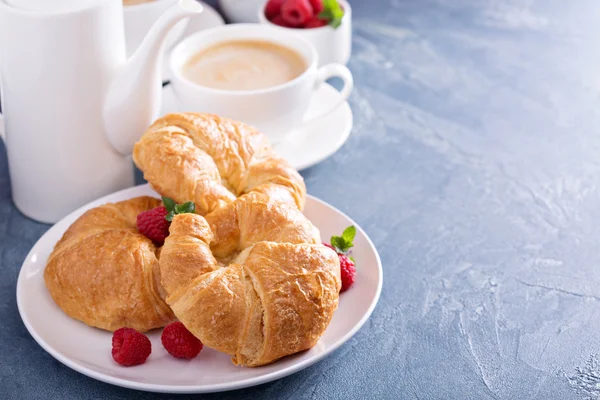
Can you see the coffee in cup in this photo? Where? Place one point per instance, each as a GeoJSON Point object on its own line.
{"type": "Point", "coordinates": [280, 76]}
{"type": "Point", "coordinates": [244, 65]}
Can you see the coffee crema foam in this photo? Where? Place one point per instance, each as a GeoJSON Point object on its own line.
{"type": "Point", "coordinates": [244, 65]}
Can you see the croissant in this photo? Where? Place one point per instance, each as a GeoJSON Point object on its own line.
{"type": "Point", "coordinates": [251, 279]}
{"type": "Point", "coordinates": [105, 273]}
{"type": "Point", "coordinates": [211, 161]}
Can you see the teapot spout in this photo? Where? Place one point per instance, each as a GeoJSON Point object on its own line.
{"type": "Point", "coordinates": [135, 94]}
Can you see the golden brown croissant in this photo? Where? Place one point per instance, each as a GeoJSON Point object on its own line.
{"type": "Point", "coordinates": [270, 291]}
{"type": "Point", "coordinates": [211, 161]}
{"type": "Point", "coordinates": [105, 273]}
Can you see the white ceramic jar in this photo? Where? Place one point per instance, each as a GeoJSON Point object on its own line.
{"type": "Point", "coordinates": [332, 45]}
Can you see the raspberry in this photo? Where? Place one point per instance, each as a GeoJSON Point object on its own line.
{"type": "Point", "coordinates": [347, 272]}
{"type": "Point", "coordinates": [315, 22]}
{"type": "Point", "coordinates": [347, 269]}
{"type": "Point", "coordinates": [153, 224]}
{"type": "Point", "coordinates": [317, 6]}
{"type": "Point", "coordinates": [341, 245]}
{"type": "Point", "coordinates": [273, 9]}
{"type": "Point", "coordinates": [296, 12]}
{"type": "Point", "coordinates": [278, 20]}
{"type": "Point", "coordinates": [180, 342]}
{"type": "Point", "coordinates": [130, 347]}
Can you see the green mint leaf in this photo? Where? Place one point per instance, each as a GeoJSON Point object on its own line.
{"type": "Point", "coordinates": [349, 234]}
{"type": "Point", "coordinates": [353, 260]}
{"type": "Point", "coordinates": [325, 15]}
{"type": "Point", "coordinates": [169, 216]}
{"type": "Point", "coordinates": [169, 203]}
{"type": "Point", "coordinates": [332, 12]}
{"type": "Point", "coordinates": [188, 207]}
{"type": "Point", "coordinates": [344, 243]}
{"type": "Point", "coordinates": [338, 243]}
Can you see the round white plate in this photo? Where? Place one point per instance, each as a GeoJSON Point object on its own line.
{"type": "Point", "coordinates": [208, 18]}
{"type": "Point", "coordinates": [310, 144]}
{"type": "Point", "coordinates": [88, 350]}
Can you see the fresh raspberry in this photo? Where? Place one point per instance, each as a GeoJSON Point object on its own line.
{"type": "Point", "coordinates": [130, 347]}
{"type": "Point", "coordinates": [347, 269]}
{"type": "Point", "coordinates": [315, 22]}
{"type": "Point", "coordinates": [342, 245]}
{"type": "Point", "coordinates": [278, 20]}
{"type": "Point", "coordinates": [347, 272]}
{"type": "Point", "coordinates": [296, 12]}
{"type": "Point", "coordinates": [153, 224]}
{"type": "Point", "coordinates": [180, 342]}
{"type": "Point", "coordinates": [317, 6]}
{"type": "Point", "coordinates": [273, 8]}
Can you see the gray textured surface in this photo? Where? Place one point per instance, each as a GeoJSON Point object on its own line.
{"type": "Point", "coordinates": [474, 167]}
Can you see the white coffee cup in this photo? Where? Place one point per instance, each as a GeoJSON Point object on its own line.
{"type": "Point", "coordinates": [276, 110]}
{"type": "Point", "coordinates": [139, 18]}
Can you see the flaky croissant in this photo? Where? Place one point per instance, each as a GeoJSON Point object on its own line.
{"type": "Point", "coordinates": [251, 279]}
{"type": "Point", "coordinates": [211, 160]}
{"type": "Point", "coordinates": [105, 273]}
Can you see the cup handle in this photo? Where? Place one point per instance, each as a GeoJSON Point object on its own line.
{"type": "Point", "coordinates": [2, 127]}
{"type": "Point", "coordinates": [331, 71]}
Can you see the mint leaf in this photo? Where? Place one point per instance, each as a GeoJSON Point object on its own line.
{"type": "Point", "coordinates": [337, 242]}
{"type": "Point", "coordinates": [332, 12]}
{"type": "Point", "coordinates": [353, 260]}
{"type": "Point", "coordinates": [169, 203]}
{"type": "Point", "coordinates": [188, 207]}
{"type": "Point", "coordinates": [174, 208]}
{"type": "Point", "coordinates": [185, 208]}
{"type": "Point", "coordinates": [349, 234]}
{"type": "Point", "coordinates": [344, 243]}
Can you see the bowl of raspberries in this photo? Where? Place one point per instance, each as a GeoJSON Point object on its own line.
{"type": "Point", "coordinates": [325, 23]}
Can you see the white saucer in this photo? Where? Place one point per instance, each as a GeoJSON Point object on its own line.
{"type": "Point", "coordinates": [311, 144]}
{"type": "Point", "coordinates": [87, 350]}
{"type": "Point", "coordinates": [208, 18]}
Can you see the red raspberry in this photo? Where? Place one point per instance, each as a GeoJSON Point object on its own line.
{"type": "Point", "coordinates": [347, 272]}
{"type": "Point", "coordinates": [347, 269]}
{"type": "Point", "coordinates": [278, 20]}
{"type": "Point", "coordinates": [130, 347]}
{"type": "Point", "coordinates": [296, 12]}
{"type": "Point", "coordinates": [317, 6]}
{"type": "Point", "coordinates": [153, 225]}
{"type": "Point", "coordinates": [342, 245]}
{"type": "Point", "coordinates": [273, 9]}
{"type": "Point", "coordinates": [315, 22]}
{"type": "Point", "coordinates": [180, 342]}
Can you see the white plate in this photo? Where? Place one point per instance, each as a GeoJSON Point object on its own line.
{"type": "Point", "coordinates": [208, 18]}
{"type": "Point", "coordinates": [87, 350]}
{"type": "Point", "coordinates": [311, 144]}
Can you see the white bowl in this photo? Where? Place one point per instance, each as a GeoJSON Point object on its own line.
{"type": "Point", "coordinates": [332, 45]}
{"type": "Point", "coordinates": [139, 19]}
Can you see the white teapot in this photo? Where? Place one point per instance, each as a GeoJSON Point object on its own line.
{"type": "Point", "coordinates": [73, 104]}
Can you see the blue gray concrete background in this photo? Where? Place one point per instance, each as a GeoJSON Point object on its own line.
{"type": "Point", "coordinates": [474, 165]}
